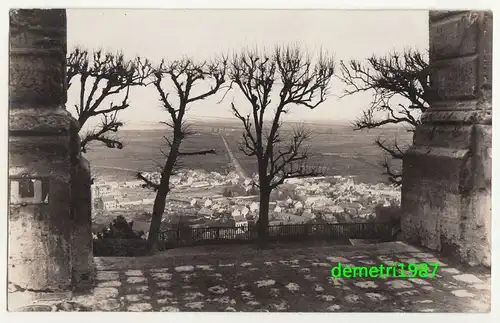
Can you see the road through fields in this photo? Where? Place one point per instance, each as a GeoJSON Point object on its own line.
{"type": "Point", "coordinates": [233, 159]}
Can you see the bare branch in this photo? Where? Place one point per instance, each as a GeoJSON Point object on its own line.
{"type": "Point", "coordinates": [391, 77]}
{"type": "Point", "coordinates": [106, 74]}
{"type": "Point", "coordinates": [395, 78]}
{"type": "Point", "coordinates": [303, 83]}
{"type": "Point", "coordinates": [109, 124]}
{"type": "Point", "coordinates": [147, 182]}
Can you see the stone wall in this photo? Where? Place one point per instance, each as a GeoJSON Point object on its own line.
{"type": "Point", "coordinates": [446, 195]}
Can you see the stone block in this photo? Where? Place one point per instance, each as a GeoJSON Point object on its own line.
{"type": "Point", "coordinates": [447, 135]}
{"type": "Point", "coordinates": [56, 121]}
{"type": "Point", "coordinates": [39, 243]}
{"type": "Point", "coordinates": [454, 37]}
{"type": "Point", "coordinates": [455, 80]}
{"type": "Point", "coordinates": [448, 167]}
{"type": "Point", "coordinates": [38, 40]}
{"type": "Point", "coordinates": [434, 182]}
{"type": "Point", "coordinates": [50, 154]}
{"type": "Point", "coordinates": [37, 79]}
{"type": "Point", "coordinates": [431, 213]}
{"type": "Point", "coordinates": [453, 114]}
{"type": "Point", "coordinates": [38, 18]}
{"type": "Point", "coordinates": [420, 222]}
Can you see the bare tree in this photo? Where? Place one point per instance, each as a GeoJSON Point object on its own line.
{"type": "Point", "coordinates": [297, 81]}
{"type": "Point", "coordinates": [101, 76]}
{"type": "Point", "coordinates": [399, 77]}
{"type": "Point", "coordinates": [184, 75]}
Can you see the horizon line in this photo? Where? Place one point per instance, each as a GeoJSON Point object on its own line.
{"type": "Point", "coordinates": [233, 120]}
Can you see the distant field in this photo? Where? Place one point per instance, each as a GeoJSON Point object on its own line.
{"type": "Point", "coordinates": [142, 151]}
{"type": "Point", "coordinates": [341, 151]}
{"type": "Point", "coordinates": [338, 148]}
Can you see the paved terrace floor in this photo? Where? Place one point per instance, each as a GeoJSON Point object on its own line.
{"type": "Point", "coordinates": [289, 279]}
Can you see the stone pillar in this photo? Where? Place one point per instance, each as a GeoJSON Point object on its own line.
{"type": "Point", "coordinates": [82, 253]}
{"type": "Point", "coordinates": [446, 194]}
{"type": "Point", "coordinates": [42, 152]}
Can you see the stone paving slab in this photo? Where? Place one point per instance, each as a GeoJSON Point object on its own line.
{"type": "Point", "coordinates": [301, 283]}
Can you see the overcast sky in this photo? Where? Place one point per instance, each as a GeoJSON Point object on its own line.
{"type": "Point", "coordinates": [201, 34]}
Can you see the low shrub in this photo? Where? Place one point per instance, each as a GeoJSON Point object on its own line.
{"type": "Point", "coordinates": [390, 213]}
{"type": "Point", "coordinates": [119, 240]}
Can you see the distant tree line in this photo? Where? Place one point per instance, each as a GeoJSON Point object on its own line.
{"type": "Point", "coordinates": [272, 83]}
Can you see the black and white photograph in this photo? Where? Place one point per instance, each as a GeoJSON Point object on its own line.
{"type": "Point", "coordinates": [249, 160]}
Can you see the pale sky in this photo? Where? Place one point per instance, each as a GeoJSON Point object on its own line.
{"type": "Point", "coordinates": [202, 34]}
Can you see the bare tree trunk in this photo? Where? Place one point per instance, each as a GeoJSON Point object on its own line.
{"type": "Point", "coordinates": [158, 209]}
{"type": "Point", "coordinates": [263, 226]}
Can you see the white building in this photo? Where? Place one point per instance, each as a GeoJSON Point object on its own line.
{"type": "Point", "coordinates": [175, 180]}
{"type": "Point", "coordinates": [336, 209]}
{"type": "Point", "coordinates": [240, 221]}
{"type": "Point", "coordinates": [216, 206]}
{"type": "Point", "coordinates": [207, 203]}
{"type": "Point", "coordinates": [104, 189]}
{"type": "Point", "coordinates": [299, 205]}
{"type": "Point", "coordinates": [109, 202]}
{"type": "Point", "coordinates": [254, 207]}
{"type": "Point", "coordinates": [318, 201]}
{"type": "Point", "coordinates": [129, 201]}
{"type": "Point", "coordinates": [134, 183]}
{"type": "Point", "coordinates": [95, 192]}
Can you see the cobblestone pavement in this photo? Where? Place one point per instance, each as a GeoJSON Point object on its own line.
{"type": "Point", "coordinates": [295, 284]}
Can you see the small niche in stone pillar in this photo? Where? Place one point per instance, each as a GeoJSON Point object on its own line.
{"type": "Point", "coordinates": [27, 190]}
